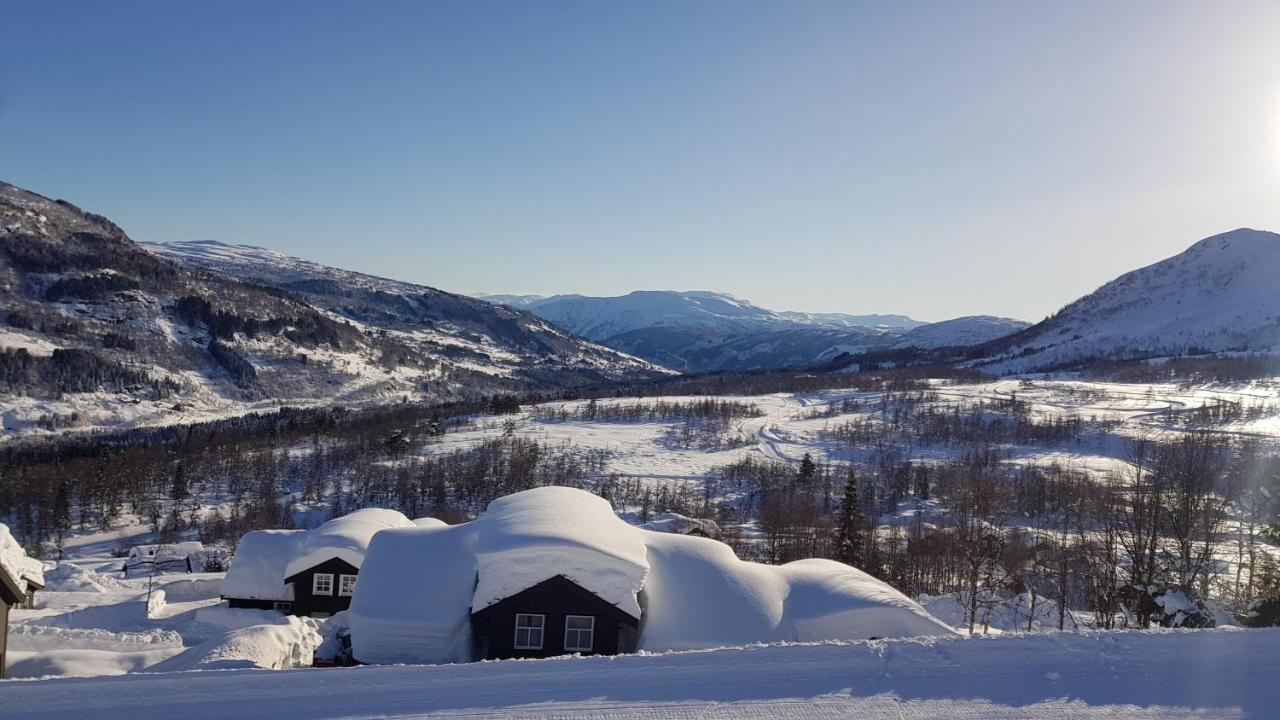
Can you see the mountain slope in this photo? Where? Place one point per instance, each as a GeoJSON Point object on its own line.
{"type": "Point", "coordinates": [1220, 295]}
{"type": "Point", "coordinates": [96, 331]}
{"type": "Point", "coordinates": [428, 320]}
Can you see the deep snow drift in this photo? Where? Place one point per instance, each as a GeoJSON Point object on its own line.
{"type": "Point", "coordinates": [416, 587]}
{"type": "Point", "coordinates": [1131, 675]}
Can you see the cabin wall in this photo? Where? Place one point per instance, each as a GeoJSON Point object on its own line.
{"type": "Point", "coordinates": [4, 633]}
{"type": "Point", "coordinates": [493, 628]}
{"type": "Point", "coordinates": [307, 603]}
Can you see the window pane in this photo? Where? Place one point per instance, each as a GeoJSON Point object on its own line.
{"type": "Point", "coordinates": [528, 634]}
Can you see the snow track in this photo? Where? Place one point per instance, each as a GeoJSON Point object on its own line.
{"type": "Point", "coordinates": [1179, 674]}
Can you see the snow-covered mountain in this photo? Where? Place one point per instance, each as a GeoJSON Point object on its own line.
{"type": "Point", "coordinates": [961, 331]}
{"type": "Point", "coordinates": [601, 318]}
{"type": "Point", "coordinates": [1221, 295]}
{"type": "Point", "coordinates": [96, 331]}
{"type": "Point", "coordinates": [697, 331]}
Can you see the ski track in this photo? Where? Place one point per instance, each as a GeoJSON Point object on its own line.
{"type": "Point", "coordinates": [1125, 674]}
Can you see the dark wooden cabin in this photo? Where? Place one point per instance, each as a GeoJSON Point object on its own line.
{"type": "Point", "coordinates": [554, 617]}
{"type": "Point", "coordinates": [324, 589]}
{"type": "Point", "coordinates": [318, 591]}
{"type": "Point", "coordinates": [11, 595]}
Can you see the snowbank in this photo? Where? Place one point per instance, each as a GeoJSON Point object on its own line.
{"type": "Point", "coordinates": [258, 569]}
{"type": "Point", "coordinates": [278, 646]}
{"type": "Point", "coordinates": [700, 595]}
{"type": "Point", "coordinates": [413, 601]}
{"type": "Point", "coordinates": [23, 570]}
{"type": "Point", "coordinates": [419, 586]}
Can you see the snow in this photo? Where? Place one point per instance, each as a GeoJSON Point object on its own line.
{"type": "Point", "coordinates": [1218, 295]}
{"type": "Point", "coordinates": [346, 537]}
{"type": "Point", "coordinates": [416, 589]}
{"type": "Point", "coordinates": [276, 646]}
{"type": "Point", "coordinates": [413, 602]}
{"type": "Point", "coordinates": [23, 570]}
{"type": "Point", "coordinates": [676, 523]}
{"type": "Point", "coordinates": [532, 536]}
{"type": "Point", "coordinates": [259, 567]}
{"type": "Point", "coordinates": [1091, 676]}
{"type": "Point", "coordinates": [700, 595]}
{"type": "Point", "coordinates": [265, 558]}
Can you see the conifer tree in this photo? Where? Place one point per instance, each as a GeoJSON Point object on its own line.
{"type": "Point", "coordinates": [849, 531]}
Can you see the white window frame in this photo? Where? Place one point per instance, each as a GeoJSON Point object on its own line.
{"type": "Point", "coordinates": [315, 584]}
{"type": "Point", "coordinates": [346, 585]}
{"type": "Point", "coordinates": [282, 606]}
{"type": "Point", "coordinates": [591, 634]}
{"type": "Point", "coordinates": [541, 629]}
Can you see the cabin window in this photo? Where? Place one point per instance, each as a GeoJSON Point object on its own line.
{"type": "Point", "coordinates": [322, 584]}
{"type": "Point", "coordinates": [529, 631]}
{"type": "Point", "coordinates": [579, 633]}
{"type": "Point", "coordinates": [346, 584]}
{"type": "Point", "coordinates": [283, 606]}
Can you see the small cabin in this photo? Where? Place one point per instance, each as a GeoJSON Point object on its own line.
{"type": "Point", "coordinates": [182, 557]}
{"type": "Point", "coordinates": [305, 572]}
{"type": "Point", "coordinates": [683, 525]}
{"type": "Point", "coordinates": [555, 617]}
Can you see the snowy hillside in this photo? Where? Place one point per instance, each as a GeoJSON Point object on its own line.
{"type": "Point", "coordinates": [1220, 295]}
{"type": "Point", "coordinates": [699, 331]}
{"type": "Point", "coordinates": [428, 320]}
{"type": "Point", "coordinates": [97, 332]}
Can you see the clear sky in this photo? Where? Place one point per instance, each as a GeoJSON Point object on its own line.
{"type": "Point", "coordinates": [930, 158]}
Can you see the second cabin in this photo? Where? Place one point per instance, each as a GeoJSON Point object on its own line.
{"type": "Point", "coordinates": [306, 572]}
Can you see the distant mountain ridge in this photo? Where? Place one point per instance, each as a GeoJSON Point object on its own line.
{"type": "Point", "coordinates": [699, 331]}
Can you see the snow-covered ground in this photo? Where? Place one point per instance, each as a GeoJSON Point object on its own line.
{"type": "Point", "coordinates": [1132, 675]}
{"type": "Point", "coordinates": [793, 424]}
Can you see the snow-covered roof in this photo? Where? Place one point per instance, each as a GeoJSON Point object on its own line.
{"type": "Point", "coordinates": [532, 536]}
{"type": "Point", "coordinates": [346, 537]}
{"type": "Point", "coordinates": [26, 572]}
{"type": "Point", "coordinates": [416, 591]}
{"type": "Point", "coordinates": [700, 595]}
{"type": "Point", "coordinates": [165, 550]}
{"type": "Point", "coordinates": [266, 557]}
{"type": "Point", "coordinates": [257, 571]}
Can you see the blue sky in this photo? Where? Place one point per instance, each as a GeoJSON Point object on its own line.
{"type": "Point", "coordinates": [935, 159]}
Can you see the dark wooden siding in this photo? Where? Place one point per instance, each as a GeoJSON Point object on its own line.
{"type": "Point", "coordinates": [4, 632]}
{"type": "Point", "coordinates": [493, 628]}
{"type": "Point", "coordinates": [252, 604]}
{"type": "Point", "coordinates": [306, 603]}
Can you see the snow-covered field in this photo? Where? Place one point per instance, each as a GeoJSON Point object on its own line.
{"type": "Point", "coordinates": [793, 424]}
{"type": "Point", "coordinates": [1132, 675]}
